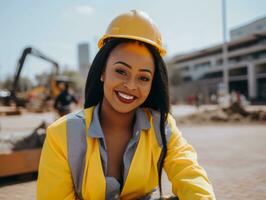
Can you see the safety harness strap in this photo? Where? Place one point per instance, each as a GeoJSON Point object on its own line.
{"type": "Point", "coordinates": [77, 147]}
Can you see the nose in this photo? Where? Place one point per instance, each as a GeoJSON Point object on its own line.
{"type": "Point", "coordinates": [130, 84]}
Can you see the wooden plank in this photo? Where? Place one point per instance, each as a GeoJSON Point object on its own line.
{"type": "Point", "coordinates": [19, 162]}
{"type": "Point", "coordinates": [9, 110]}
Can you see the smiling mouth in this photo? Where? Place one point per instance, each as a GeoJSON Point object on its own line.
{"type": "Point", "coordinates": [125, 98]}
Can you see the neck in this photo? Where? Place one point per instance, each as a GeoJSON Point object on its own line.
{"type": "Point", "coordinates": [112, 120]}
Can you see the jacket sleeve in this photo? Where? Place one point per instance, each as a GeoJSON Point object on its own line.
{"type": "Point", "coordinates": [54, 177]}
{"type": "Point", "coordinates": [189, 180]}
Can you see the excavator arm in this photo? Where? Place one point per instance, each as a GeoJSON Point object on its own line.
{"type": "Point", "coordinates": [29, 51]}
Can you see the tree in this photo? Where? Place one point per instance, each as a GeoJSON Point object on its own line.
{"type": "Point", "coordinates": [24, 83]}
{"type": "Point", "coordinates": [77, 81]}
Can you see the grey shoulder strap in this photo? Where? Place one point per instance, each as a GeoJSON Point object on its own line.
{"type": "Point", "coordinates": [156, 116]}
{"type": "Point", "coordinates": [76, 148]}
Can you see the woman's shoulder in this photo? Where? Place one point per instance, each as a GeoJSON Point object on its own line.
{"type": "Point", "coordinates": [56, 132]}
{"type": "Point", "coordinates": [61, 123]}
{"type": "Point", "coordinates": [83, 114]}
{"type": "Point", "coordinates": [170, 123]}
{"type": "Point", "coordinates": [58, 123]}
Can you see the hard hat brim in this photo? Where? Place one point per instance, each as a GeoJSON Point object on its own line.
{"type": "Point", "coordinates": [161, 50]}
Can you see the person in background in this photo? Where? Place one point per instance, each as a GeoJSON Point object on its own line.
{"type": "Point", "coordinates": [64, 100]}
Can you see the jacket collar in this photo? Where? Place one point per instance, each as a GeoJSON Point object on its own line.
{"type": "Point", "coordinates": [95, 129]}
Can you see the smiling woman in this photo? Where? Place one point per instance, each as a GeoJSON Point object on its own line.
{"type": "Point", "coordinates": [117, 146]}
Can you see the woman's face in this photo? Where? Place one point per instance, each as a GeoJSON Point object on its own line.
{"type": "Point", "coordinates": [128, 76]}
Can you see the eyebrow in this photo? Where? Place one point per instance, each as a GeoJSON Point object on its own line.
{"type": "Point", "coordinates": [127, 65]}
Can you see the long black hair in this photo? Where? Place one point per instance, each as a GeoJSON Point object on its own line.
{"type": "Point", "coordinates": [158, 98]}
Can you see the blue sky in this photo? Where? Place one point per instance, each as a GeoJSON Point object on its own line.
{"type": "Point", "coordinates": [56, 27]}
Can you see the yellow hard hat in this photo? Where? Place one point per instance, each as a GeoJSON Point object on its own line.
{"type": "Point", "coordinates": [135, 25]}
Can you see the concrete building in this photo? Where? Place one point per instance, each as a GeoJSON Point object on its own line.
{"type": "Point", "coordinates": [83, 59]}
{"type": "Point", "coordinates": [253, 27]}
{"type": "Point", "coordinates": [202, 71]}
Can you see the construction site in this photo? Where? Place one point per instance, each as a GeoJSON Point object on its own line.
{"type": "Point", "coordinates": [231, 131]}
{"type": "Point", "coordinates": [227, 128]}
{"type": "Point", "coordinates": [234, 150]}
{"type": "Point", "coordinates": [25, 115]}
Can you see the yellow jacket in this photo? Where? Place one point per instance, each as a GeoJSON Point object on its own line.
{"type": "Point", "coordinates": [189, 180]}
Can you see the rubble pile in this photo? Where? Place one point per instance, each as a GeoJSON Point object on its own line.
{"type": "Point", "coordinates": [233, 114]}
{"type": "Point", "coordinates": [34, 140]}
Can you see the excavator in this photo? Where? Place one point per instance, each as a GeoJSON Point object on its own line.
{"type": "Point", "coordinates": [24, 156]}
{"type": "Point", "coordinates": [51, 90]}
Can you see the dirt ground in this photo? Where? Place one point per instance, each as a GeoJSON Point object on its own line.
{"type": "Point", "coordinates": [215, 114]}
{"type": "Point", "coordinates": [234, 158]}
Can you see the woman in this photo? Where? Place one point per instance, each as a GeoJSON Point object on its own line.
{"type": "Point", "coordinates": [130, 135]}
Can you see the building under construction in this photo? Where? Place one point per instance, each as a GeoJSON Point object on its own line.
{"type": "Point", "coordinates": [202, 71]}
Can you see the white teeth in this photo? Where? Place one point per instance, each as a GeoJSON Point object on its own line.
{"type": "Point", "coordinates": [125, 96]}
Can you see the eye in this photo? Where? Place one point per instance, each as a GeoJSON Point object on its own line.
{"type": "Point", "coordinates": [143, 78]}
{"type": "Point", "coordinates": [120, 71]}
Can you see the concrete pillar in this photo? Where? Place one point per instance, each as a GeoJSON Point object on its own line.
{"type": "Point", "coordinates": [226, 80]}
{"type": "Point", "coordinates": [252, 81]}
{"type": "Point", "coordinates": [213, 62]}
{"type": "Point", "coordinates": [191, 71]}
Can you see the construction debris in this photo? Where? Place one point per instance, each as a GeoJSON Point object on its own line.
{"type": "Point", "coordinates": [34, 140]}
{"type": "Point", "coordinates": [233, 114]}
{"type": "Point", "coordinates": [19, 162]}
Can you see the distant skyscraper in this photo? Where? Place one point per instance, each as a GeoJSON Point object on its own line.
{"type": "Point", "coordinates": [83, 59]}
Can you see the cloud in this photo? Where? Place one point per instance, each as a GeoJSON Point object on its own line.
{"type": "Point", "coordinates": [84, 10]}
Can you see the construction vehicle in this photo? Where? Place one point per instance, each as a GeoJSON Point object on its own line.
{"type": "Point", "coordinates": [25, 153]}
{"type": "Point", "coordinates": [49, 91]}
